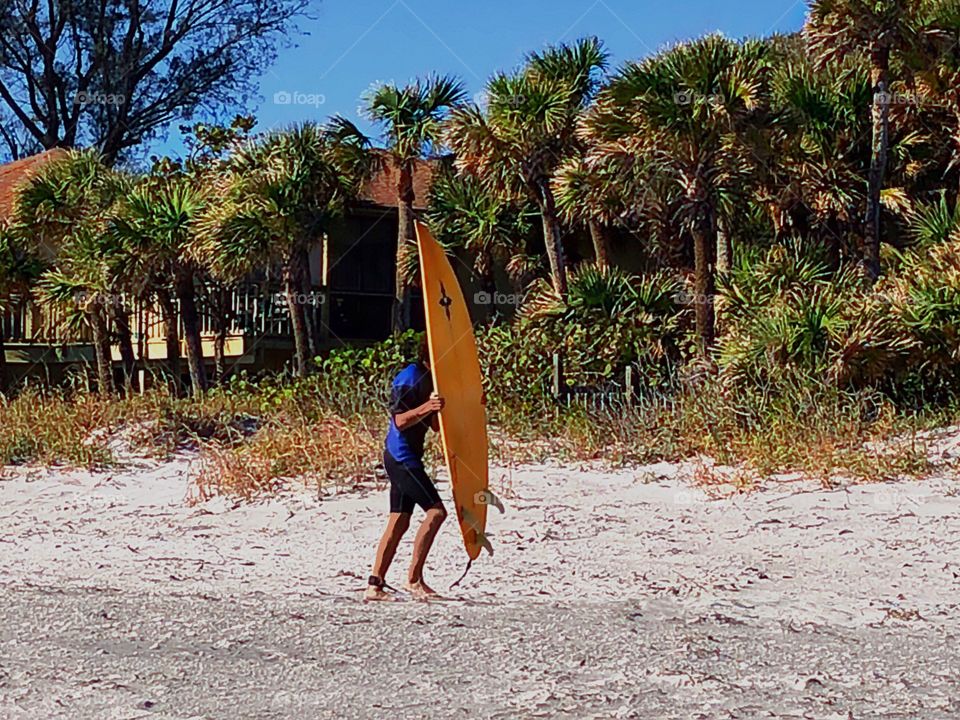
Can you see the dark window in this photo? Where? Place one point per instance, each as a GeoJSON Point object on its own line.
{"type": "Point", "coordinates": [362, 276]}
{"type": "Point", "coordinates": [362, 252]}
{"type": "Point", "coordinates": [361, 317]}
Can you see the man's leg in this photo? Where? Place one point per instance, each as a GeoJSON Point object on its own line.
{"type": "Point", "coordinates": [429, 528]}
{"type": "Point", "coordinates": [397, 525]}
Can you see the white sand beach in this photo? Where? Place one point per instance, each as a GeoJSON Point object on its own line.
{"type": "Point", "coordinates": [611, 593]}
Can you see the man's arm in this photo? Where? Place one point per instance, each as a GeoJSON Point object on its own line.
{"type": "Point", "coordinates": [410, 418]}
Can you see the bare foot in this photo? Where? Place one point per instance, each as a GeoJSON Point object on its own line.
{"type": "Point", "coordinates": [374, 593]}
{"type": "Point", "coordinates": [421, 590]}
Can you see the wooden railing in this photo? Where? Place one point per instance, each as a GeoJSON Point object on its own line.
{"type": "Point", "coordinates": [24, 321]}
{"type": "Point", "coordinates": [252, 310]}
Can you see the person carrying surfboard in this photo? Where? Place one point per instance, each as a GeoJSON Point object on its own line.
{"type": "Point", "coordinates": [413, 411]}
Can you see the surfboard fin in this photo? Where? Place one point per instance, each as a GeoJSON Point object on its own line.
{"type": "Point", "coordinates": [475, 526]}
{"type": "Point", "coordinates": [484, 543]}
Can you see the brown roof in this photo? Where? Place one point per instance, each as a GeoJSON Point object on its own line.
{"type": "Point", "coordinates": [13, 174]}
{"type": "Point", "coordinates": [382, 188]}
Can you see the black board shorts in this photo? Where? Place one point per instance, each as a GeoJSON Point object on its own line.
{"type": "Point", "coordinates": [409, 486]}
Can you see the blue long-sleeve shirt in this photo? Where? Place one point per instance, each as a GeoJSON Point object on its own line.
{"type": "Point", "coordinates": [411, 388]}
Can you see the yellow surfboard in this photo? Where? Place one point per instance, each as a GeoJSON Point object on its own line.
{"type": "Point", "coordinates": [456, 377]}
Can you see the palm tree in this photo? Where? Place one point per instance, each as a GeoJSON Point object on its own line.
{"type": "Point", "coordinates": [209, 146]}
{"type": "Point", "coordinates": [20, 266]}
{"type": "Point", "coordinates": [464, 214]}
{"type": "Point", "coordinates": [411, 118]}
{"type": "Point", "coordinates": [592, 190]}
{"type": "Point", "coordinates": [84, 282]}
{"type": "Point", "coordinates": [66, 207]}
{"type": "Point", "coordinates": [277, 196]}
{"type": "Point", "coordinates": [677, 115]}
{"type": "Point", "coordinates": [812, 163]}
{"type": "Point", "coordinates": [937, 69]}
{"type": "Point", "coordinates": [528, 127]}
{"type": "Point", "coordinates": [155, 225]}
{"type": "Point", "coordinates": [885, 31]}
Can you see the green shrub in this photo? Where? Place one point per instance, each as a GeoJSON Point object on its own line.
{"type": "Point", "coordinates": [608, 320]}
{"type": "Point", "coordinates": [789, 317]}
{"type": "Point", "coordinates": [926, 300]}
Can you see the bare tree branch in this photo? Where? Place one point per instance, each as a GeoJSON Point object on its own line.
{"type": "Point", "coordinates": [114, 73]}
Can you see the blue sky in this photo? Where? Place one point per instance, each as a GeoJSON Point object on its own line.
{"type": "Point", "coordinates": [352, 45]}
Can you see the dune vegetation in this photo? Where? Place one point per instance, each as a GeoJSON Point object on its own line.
{"type": "Point", "coordinates": [765, 232]}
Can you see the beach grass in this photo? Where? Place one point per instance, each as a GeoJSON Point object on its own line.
{"type": "Point", "coordinates": [251, 440]}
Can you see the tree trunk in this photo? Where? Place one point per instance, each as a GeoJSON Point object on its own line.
{"type": "Point", "coordinates": [298, 325]}
{"type": "Point", "coordinates": [4, 376]}
{"type": "Point", "coordinates": [956, 139]}
{"type": "Point", "coordinates": [101, 349]}
{"type": "Point", "coordinates": [219, 356]}
{"type": "Point", "coordinates": [704, 287]}
{"type": "Point", "coordinates": [171, 335]}
{"type": "Point", "coordinates": [880, 111]}
{"type": "Point", "coordinates": [601, 243]}
{"type": "Point", "coordinates": [187, 296]}
{"type": "Point", "coordinates": [552, 236]}
{"type": "Point", "coordinates": [121, 321]}
{"type": "Point", "coordinates": [309, 307]}
{"type": "Point", "coordinates": [724, 248]}
{"type": "Point", "coordinates": [406, 244]}
{"type": "Point", "coordinates": [220, 323]}
{"type": "Point", "coordinates": [484, 268]}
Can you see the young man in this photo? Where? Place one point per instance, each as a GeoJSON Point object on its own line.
{"type": "Point", "coordinates": [413, 411]}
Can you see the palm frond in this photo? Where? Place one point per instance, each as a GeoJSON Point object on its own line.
{"type": "Point", "coordinates": [934, 223]}
{"type": "Point", "coordinates": [411, 115]}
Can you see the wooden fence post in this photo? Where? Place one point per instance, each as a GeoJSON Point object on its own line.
{"type": "Point", "coordinates": [557, 376]}
{"type": "Point", "coordinates": [628, 385]}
